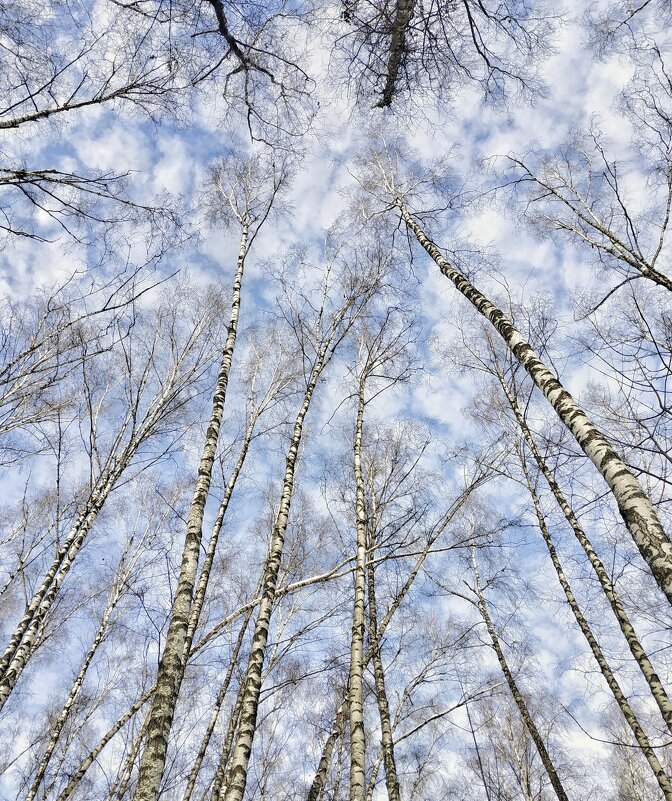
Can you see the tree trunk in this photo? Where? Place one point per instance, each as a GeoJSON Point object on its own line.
{"type": "Point", "coordinates": [116, 594]}
{"type": "Point", "coordinates": [635, 507]}
{"type": "Point", "coordinates": [196, 767]}
{"type": "Point", "coordinates": [355, 691]}
{"type": "Point", "coordinates": [174, 658]}
{"type": "Point", "coordinates": [628, 713]}
{"type": "Point", "coordinates": [221, 777]}
{"type": "Point", "coordinates": [320, 779]}
{"type": "Point", "coordinates": [636, 649]}
{"type": "Point", "coordinates": [515, 692]}
{"type": "Point", "coordinates": [402, 19]}
{"type": "Point", "coordinates": [252, 682]}
{"type": "Point", "coordinates": [387, 742]}
{"type": "Point", "coordinates": [93, 755]}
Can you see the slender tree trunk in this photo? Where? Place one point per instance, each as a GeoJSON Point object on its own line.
{"type": "Point", "coordinates": [25, 639]}
{"type": "Point", "coordinates": [320, 779]}
{"type": "Point", "coordinates": [387, 742]}
{"type": "Point", "coordinates": [373, 778]}
{"type": "Point", "coordinates": [196, 767]}
{"type": "Point", "coordinates": [635, 507]}
{"type": "Point", "coordinates": [252, 682]}
{"type": "Point", "coordinates": [93, 755]}
{"type": "Point", "coordinates": [628, 713]}
{"type": "Point", "coordinates": [174, 658]}
{"type": "Point", "coordinates": [636, 649]}
{"type": "Point", "coordinates": [355, 678]}
{"type": "Point", "coordinates": [321, 774]}
{"type": "Point", "coordinates": [515, 692]}
{"type": "Point", "coordinates": [221, 778]}
{"type": "Point", "coordinates": [116, 594]}
{"type": "Point", "coordinates": [124, 778]}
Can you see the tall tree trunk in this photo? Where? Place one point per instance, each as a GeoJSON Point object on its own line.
{"type": "Point", "coordinates": [636, 649]}
{"type": "Point", "coordinates": [355, 677]}
{"type": "Point", "coordinates": [515, 692]}
{"type": "Point", "coordinates": [118, 789]}
{"type": "Point", "coordinates": [628, 713]}
{"type": "Point", "coordinates": [235, 653]}
{"type": "Point", "coordinates": [252, 682]}
{"type": "Point", "coordinates": [635, 507]}
{"type": "Point", "coordinates": [221, 777]}
{"type": "Point", "coordinates": [93, 755]}
{"type": "Point", "coordinates": [25, 639]}
{"type": "Point", "coordinates": [174, 658]}
{"type": "Point", "coordinates": [337, 729]}
{"type": "Point", "coordinates": [387, 742]}
{"type": "Point", "coordinates": [320, 778]}
{"type": "Point", "coordinates": [114, 598]}
{"type": "Point", "coordinates": [373, 778]}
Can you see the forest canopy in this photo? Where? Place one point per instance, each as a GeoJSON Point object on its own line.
{"type": "Point", "coordinates": [335, 400]}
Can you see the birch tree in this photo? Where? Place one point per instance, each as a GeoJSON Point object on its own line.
{"type": "Point", "coordinates": [319, 341]}
{"type": "Point", "coordinates": [157, 386]}
{"type": "Point", "coordinates": [396, 50]}
{"type": "Point", "coordinates": [378, 350]}
{"type": "Point", "coordinates": [518, 697]}
{"type": "Point", "coordinates": [247, 191]}
{"type": "Point", "coordinates": [634, 505]}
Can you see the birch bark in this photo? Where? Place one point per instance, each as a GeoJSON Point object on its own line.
{"type": "Point", "coordinates": [387, 742]}
{"type": "Point", "coordinates": [235, 653]}
{"type": "Point", "coordinates": [173, 660]}
{"type": "Point", "coordinates": [635, 507]}
{"type": "Point", "coordinates": [628, 713]}
{"type": "Point", "coordinates": [54, 737]}
{"type": "Point", "coordinates": [252, 683]}
{"type": "Point", "coordinates": [636, 649]}
{"type": "Point", "coordinates": [515, 692]}
{"type": "Point", "coordinates": [355, 699]}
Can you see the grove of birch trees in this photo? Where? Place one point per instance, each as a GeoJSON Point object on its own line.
{"type": "Point", "coordinates": [336, 400]}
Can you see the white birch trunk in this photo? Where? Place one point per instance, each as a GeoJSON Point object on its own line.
{"type": "Point", "coordinates": [387, 742]}
{"type": "Point", "coordinates": [252, 683]}
{"type": "Point", "coordinates": [95, 752]}
{"type": "Point", "coordinates": [636, 649]}
{"type": "Point", "coordinates": [221, 778]}
{"type": "Point", "coordinates": [320, 779]}
{"type": "Point", "coordinates": [628, 713]}
{"type": "Point", "coordinates": [173, 660]}
{"type": "Point", "coordinates": [516, 694]}
{"type": "Point", "coordinates": [26, 636]}
{"type": "Point", "coordinates": [117, 592]}
{"type": "Point", "coordinates": [196, 767]}
{"type": "Point", "coordinates": [635, 507]}
{"type": "Point", "coordinates": [355, 699]}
